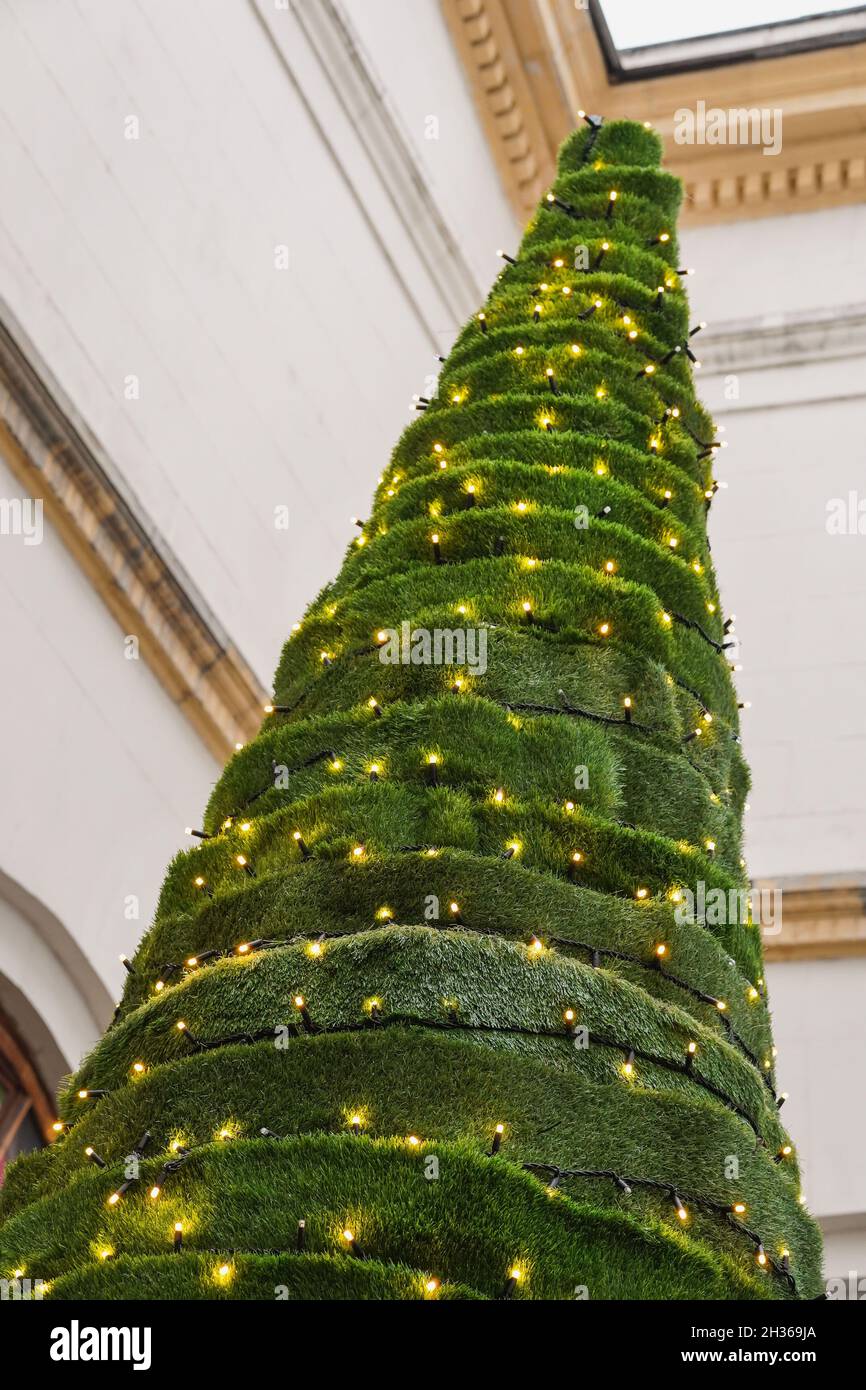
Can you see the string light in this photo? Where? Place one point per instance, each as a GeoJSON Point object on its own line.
{"type": "Point", "coordinates": [511, 1282]}
{"type": "Point", "coordinates": [611, 200]}
{"type": "Point", "coordinates": [496, 1145]}
{"type": "Point", "coordinates": [119, 1192]}
{"type": "Point", "coordinates": [352, 1243]}
{"type": "Point", "coordinates": [373, 1007]}
{"type": "Point", "coordinates": [301, 1005]}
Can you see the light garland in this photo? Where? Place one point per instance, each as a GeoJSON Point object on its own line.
{"type": "Point", "coordinates": [378, 1019]}
{"type": "Point", "coordinates": [594, 952]}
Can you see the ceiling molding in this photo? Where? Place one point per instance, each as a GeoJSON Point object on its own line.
{"type": "Point", "coordinates": [505, 50]}
{"type": "Point", "coordinates": [55, 458]}
{"type": "Point", "coordinates": [533, 64]}
{"type": "Point", "coordinates": [784, 340]}
{"type": "Point", "coordinates": [820, 922]}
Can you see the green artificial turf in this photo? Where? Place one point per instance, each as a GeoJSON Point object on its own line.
{"type": "Point", "coordinates": [385, 947]}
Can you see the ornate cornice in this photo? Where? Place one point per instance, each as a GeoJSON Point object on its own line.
{"type": "Point", "coordinates": [503, 47]}
{"type": "Point", "coordinates": [819, 920]}
{"type": "Point", "coordinates": [784, 340]}
{"type": "Point", "coordinates": [534, 64]}
{"type": "Point", "coordinates": [141, 582]}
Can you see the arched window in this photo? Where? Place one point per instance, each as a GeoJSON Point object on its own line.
{"type": "Point", "coordinates": [26, 1111]}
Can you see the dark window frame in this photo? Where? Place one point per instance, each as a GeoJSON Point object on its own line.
{"type": "Point", "coordinates": [727, 47]}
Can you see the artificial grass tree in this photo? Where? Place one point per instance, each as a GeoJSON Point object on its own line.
{"type": "Point", "coordinates": [423, 987]}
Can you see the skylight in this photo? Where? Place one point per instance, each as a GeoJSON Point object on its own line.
{"type": "Point", "coordinates": [648, 38]}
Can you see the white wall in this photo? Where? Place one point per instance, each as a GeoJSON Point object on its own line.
{"type": "Point", "coordinates": [154, 257]}
{"type": "Point", "coordinates": [410, 47]}
{"type": "Point", "coordinates": [818, 1020]}
{"type": "Point", "coordinates": [260, 125]}
{"type": "Point", "coordinates": [100, 775]}
{"type": "Point", "coordinates": [796, 437]}
{"type": "Point", "coordinates": [796, 287]}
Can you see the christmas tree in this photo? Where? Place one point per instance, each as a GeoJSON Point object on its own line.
{"type": "Point", "coordinates": [457, 994]}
